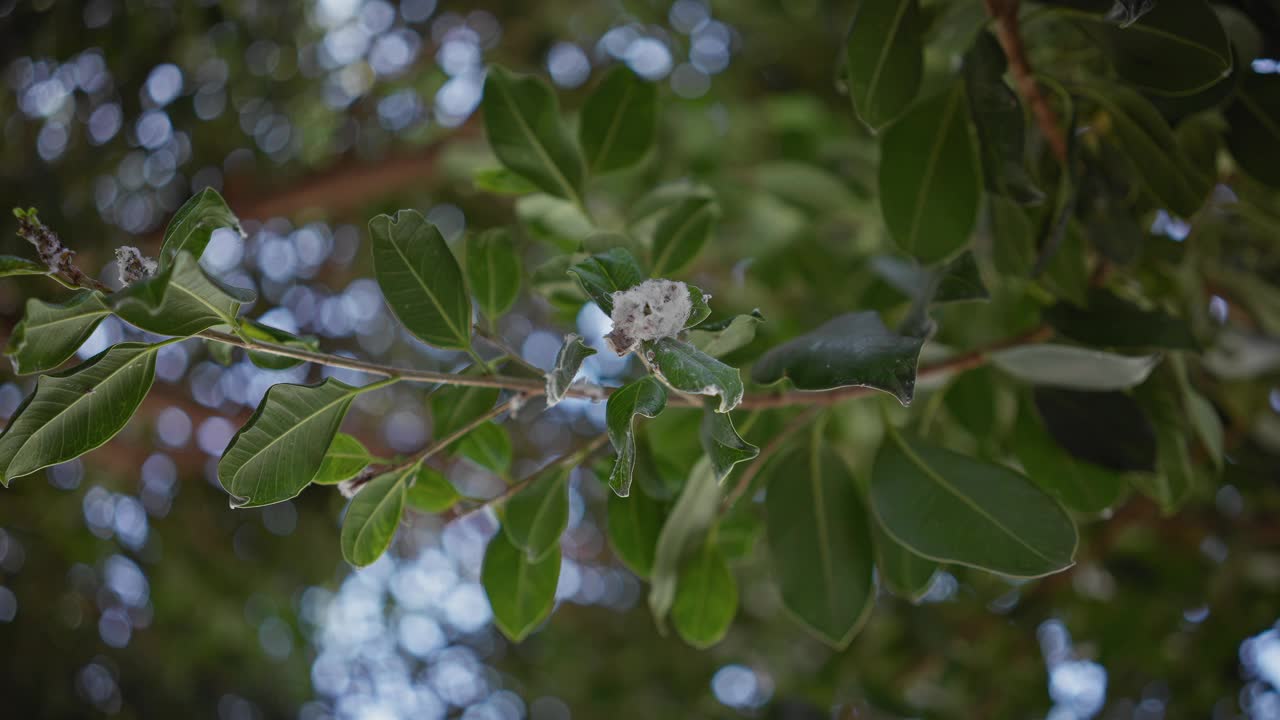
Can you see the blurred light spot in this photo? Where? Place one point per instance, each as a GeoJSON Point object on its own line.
{"type": "Point", "coordinates": [214, 434]}
{"type": "Point", "coordinates": [97, 684]}
{"type": "Point", "coordinates": [8, 605]}
{"type": "Point", "coordinates": [67, 475]}
{"type": "Point", "coordinates": [276, 638]}
{"type": "Point", "coordinates": [417, 10]}
{"type": "Point", "coordinates": [164, 84]}
{"type": "Point", "coordinates": [540, 348]}
{"type": "Point", "coordinates": [174, 427]}
{"type": "Point", "coordinates": [399, 110]}
{"type": "Point", "coordinates": [1196, 615]}
{"type": "Point", "coordinates": [687, 16]}
{"type": "Point", "coordinates": [467, 608]}
{"type": "Point", "coordinates": [405, 430]}
{"type": "Point", "coordinates": [1265, 66]}
{"type": "Point", "coordinates": [154, 129]}
{"type": "Point", "coordinates": [458, 98]}
{"type": "Point", "coordinates": [330, 13]}
{"type": "Point", "coordinates": [394, 52]}
{"type": "Point", "coordinates": [127, 581]}
{"type": "Point", "coordinates": [114, 628]}
{"type": "Point", "coordinates": [942, 589]}
{"type": "Point", "coordinates": [689, 82]}
{"type": "Point", "coordinates": [129, 520]}
{"type": "Point", "coordinates": [449, 220]}
{"type": "Point", "coordinates": [1080, 686]}
{"type": "Point", "coordinates": [568, 65]}
{"type": "Point", "coordinates": [1169, 226]}
{"type": "Point", "coordinates": [51, 141]}
{"type": "Point", "coordinates": [615, 42]}
{"type": "Point", "coordinates": [649, 58]}
{"type": "Point", "coordinates": [171, 363]}
{"type": "Point", "coordinates": [740, 687]}
{"type": "Point", "coordinates": [1260, 655]}
{"type": "Point", "coordinates": [420, 635]}
{"type": "Point", "coordinates": [549, 708]}
{"type": "Point", "coordinates": [280, 519]}
{"type": "Point", "coordinates": [224, 252]}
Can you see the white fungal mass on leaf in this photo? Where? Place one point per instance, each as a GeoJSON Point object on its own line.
{"type": "Point", "coordinates": [651, 310]}
{"type": "Point", "coordinates": [133, 265]}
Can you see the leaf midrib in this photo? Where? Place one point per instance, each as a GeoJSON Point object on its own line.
{"type": "Point", "coordinates": [874, 81]}
{"type": "Point", "coordinates": [364, 529]}
{"type": "Point", "coordinates": [261, 451]}
{"type": "Point", "coordinates": [925, 189]}
{"type": "Point", "coordinates": [421, 282]}
{"type": "Point", "coordinates": [537, 144]}
{"type": "Point", "coordinates": [606, 145]}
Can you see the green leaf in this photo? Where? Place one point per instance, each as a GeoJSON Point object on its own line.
{"type": "Point", "coordinates": [692, 514]}
{"type": "Point", "coordinates": [971, 399]}
{"type": "Point", "coordinates": [806, 186]}
{"type": "Point", "coordinates": [1253, 133]}
{"type": "Point", "coordinates": [820, 543]}
{"type": "Point", "coordinates": [603, 274]}
{"type": "Point", "coordinates": [77, 410]}
{"type": "Point", "coordinates": [1013, 240]}
{"type": "Point", "coordinates": [954, 509]}
{"type": "Point", "coordinates": [851, 349]}
{"type": "Point", "coordinates": [1107, 429]}
{"type": "Point", "coordinates": [568, 361]}
{"type": "Point", "coordinates": [681, 233]}
{"type": "Point", "coordinates": [1178, 48]}
{"type": "Point", "coordinates": [193, 224]}
{"type": "Point", "coordinates": [885, 55]}
{"type": "Point", "coordinates": [1111, 321]}
{"type": "Point", "coordinates": [644, 396]}
{"type": "Point", "coordinates": [706, 597]}
{"type": "Point", "coordinates": [277, 453]}
{"type": "Point", "coordinates": [372, 518]}
{"type": "Point", "coordinates": [1174, 478]}
{"type": "Point", "coordinates": [431, 492]}
{"type": "Point", "coordinates": [265, 333]}
{"type": "Point", "coordinates": [521, 591]}
{"type": "Point", "coordinates": [1206, 423]}
{"type": "Point", "coordinates": [699, 310]}
{"type": "Point", "coordinates": [11, 266]}
{"type": "Point", "coordinates": [454, 406]}
{"type": "Point", "coordinates": [180, 301]}
{"type": "Point", "coordinates": [906, 574]}
{"type": "Point", "coordinates": [50, 333]}
{"type": "Point", "coordinates": [721, 339]}
{"type": "Point", "coordinates": [1076, 368]}
{"type": "Point", "coordinates": [930, 182]}
{"type": "Point", "coordinates": [723, 444]}
{"type": "Point", "coordinates": [420, 279]}
{"type": "Point", "coordinates": [999, 121]}
{"type": "Point", "coordinates": [493, 267]}
{"type": "Point", "coordinates": [956, 281]}
{"type": "Point", "coordinates": [488, 446]}
{"type": "Point", "coordinates": [1143, 135]}
{"type": "Point", "coordinates": [344, 459]}
{"type": "Point", "coordinates": [501, 181]}
{"type": "Point", "coordinates": [619, 121]}
{"type": "Point", "coordinates": [1078, 484]}
{"type": "Point", "coordinates": [687, 369]}
{"type": "Point", "coordinates": [738, 532]}
{"type": "Point", "coordinates": [522, 120]}
{"type": "Point", "coordinates": [634, 525]}
{"type": "Point", "coordinates": [537, 515]}
{"type": "Point", "coordinates": [554, 221]}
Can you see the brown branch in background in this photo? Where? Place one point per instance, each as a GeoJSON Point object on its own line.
{"type": "Point", "coordinates": [1005, 15]}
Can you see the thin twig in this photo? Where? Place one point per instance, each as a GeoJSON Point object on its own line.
{"type": "Point", "coordinates": [499, 344]}
{"type": "Point", "coordinates": [774, 445]}
{"type": "Point", "coordinates": [573, 458]}
{"type": "Point", "coordinates": [1005, 15]}
{"type": "Point", "coordinates": [456, 435]}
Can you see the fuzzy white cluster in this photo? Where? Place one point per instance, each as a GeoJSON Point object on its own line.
{"type": "Point", "coordinates": [133, 265]}
{"type": "Point", "coordinates": [652, 310]}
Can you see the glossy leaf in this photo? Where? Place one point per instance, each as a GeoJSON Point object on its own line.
{"type": "Point", "coordinates": [930, 179]}
{"type": "Point", "coordinates": [692, 514]}
{"type": "Point", "coordinates": [689, 370]}
{"type": "Point", "coordinates": [420, 279]}
{"type": "Point", "coordinates": [431, 492]}
{"type": "Point", "coordinates": [282, 446]}
{"type": "Point", "coordinates": [454, 406]}
{"type": "Point", "coordinates": [265, 333]}
{"type": "Point", "coordinates": [1253, 134]}
{"type": "Point", "coordinates": [522, 121]}
{"type": "Point", "coordinates": [906, 574]}
{"type": "Point", "coordinates": [999, 121]}
{"type": "Point", "coordinates": [820, 543]}
{"type": "Point", "coordinates": [644, 396]}
{"type": "Point", "coordinates": [1111, 321]}
{"type": "Point", "coordinates": [77, 410]}
{"type": "Point", "coordinates": [521, 591]}
{"type": "Point", "coordinates": [720, 339]}
{"type": "Point", "coordinates": [494, 270]}
{"type": "Point", "coordinates": [885, 56]}
{"type": "Point", "coordinates": [1079, 484]}
{"type": "Point", "coordinates": [1075, 368]}
{"type": "Point", "coordinates": [372, 518]}
{"type": "Point", "coordinates": [568, 361]}
{"type": "Point", "coordinates": [852, 349]}
{"type": "Point", "coordinates": [537, 515]}
{"type": "Point", "coordinates": [680, 235]}
{"type": "Point", "coordinates": [181, 300]}
{"type": "Point", "coordinates": [488, 446]}
{"type": "Point", "coordinates": [619, 121]}
{"type": "Point", "coordinates": [603, 274]}
{"type": "Point", "coordinates": [50, 333]}
{"type": "Point", "coordinates": [723, 444]}
{"type": "Point", "coordinates": [634, 525]}
{"type": "Point", "coordinates": [193, 225]}
{"type": "Point", "coordinates": [954, 509]}
{"type": "Point", "coordinates": [344, 459]}
{"type": "Point", "coordinates": [11, 266]}
{"type": "Point", "coordinates": [706, 597]}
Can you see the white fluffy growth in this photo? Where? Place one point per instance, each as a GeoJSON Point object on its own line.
{"type": "Point", "coordinates": [133, 265]}
{"type": "Point", "coordinates": [651, 310]}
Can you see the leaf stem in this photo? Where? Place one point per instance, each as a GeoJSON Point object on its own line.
{"type": "Point", "coordinates": [1005, 15]}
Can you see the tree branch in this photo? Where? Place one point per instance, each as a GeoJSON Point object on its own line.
{"type": "Point", "coordinates": [1005, 15]}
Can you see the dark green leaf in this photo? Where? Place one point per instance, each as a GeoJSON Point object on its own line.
{"type": "Point", "coordinates": [1075, 368]}
{"type": "Point", "coordinates": [930, 179]}
{"type": "Point", "coordinates": [1013, 241]}
{"type": "Point", "coordinates": [971, 400]}
{"type": "Point", "coordinates": [820, 543]}
{"type": "Point", "coordinates": [1107, 429]}
{"type": "Point", "coordinates": [265, 333]}
{"type": "Point", "coordinates": [999, 121]}
{"type": "Point", "coordinates": [721, 339]}
{"type": "Point", "coordinates": [603, 274]}
{"type": "Point", "coordinates": [372, 518]}
{"type": "Point", "coordinates": [521, 591]}
{"type": "Point", "coordinates": [737, 534]}
{"type": "Point", "coordinates": [538, 514]}
{"type": "Point", "coordinates": [1208, 426]}
{"type": "Point", "coordinates": [1079, 484]}
{"type": "Point", "coordinates": [11, 266]}
{"type": "Point", "coordinates": [1174, 477]}
{"type": "Point", "coordinates": [1254, 128]}
{"type": "Point", "coordinates": [50, 333]}
{"type": "Point", "coordinates": [1111, 321]}
{"type": "Point", "coordinates": [75, 411]}
{"type": "Point", "coordinates": [522, 120]}
{"type": "Point", "coordinates": [277, 453]}
{"type": "Point", "coordinates": [493, 267]}
{"type": "Point", "coordinates": [852, 349]}
{"type": "Point", "coordinates": [431, 492]}
{"type": "Point", "coordinates": [885, 55]}
{"type": "Point", "coordinates": [634, 525]}
{"type": "Point", "coordinates": [488, 446]}
{"type": "Point", "coordinates": [619, 121]}
{"type": "Point", "coordinates": [646, 397]}
{"type": "Point", "coordinates": [568, 361]}
{"type": "Point", "coordinates": [556, 222]}
{"type": "Point", "coordinates": [906, 574]}
{"type": "Point", "coordinates": [954, 509]}
{"type": "Point", "coordinates": [680, 234]}
{"type": "Point", "coordinates": [181, 300]}
{"type": "Point", "coordinates": [956, 281]}
{"type": "Point", "coordinates": [693, 513]}
{"type": "Point", "coordinates": [689, 370]}
{"type": "Point", "coordinates": [723, 444]}
{"type": "Point", "coordinates": [344, 459]}
{"type": "Point", "coordinates": [420, 279]}
{"type": "Point", "coordinates": [706, 597]}
{"type": "Point", "coordinates": [193, 224]}
{"type": "Point", "coordinates": [453, 406]}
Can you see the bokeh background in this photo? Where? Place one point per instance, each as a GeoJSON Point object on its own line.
{"type": "Point", "coordinates": [129, 588]}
